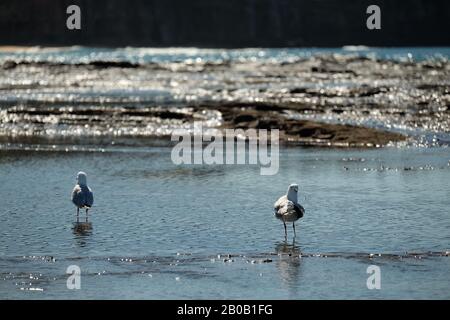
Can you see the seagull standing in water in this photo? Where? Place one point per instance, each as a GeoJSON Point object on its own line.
{"type": "Point", "coordinates": [287, 208]}
{"type": "Point", "coordinates": [82, 195]}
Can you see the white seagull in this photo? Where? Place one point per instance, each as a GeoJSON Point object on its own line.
{"type": "Point", "coordinates": [82, 195]}
{"type": "Point", "coordinates": [287, 208]}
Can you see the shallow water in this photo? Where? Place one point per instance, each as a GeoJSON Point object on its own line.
{"type": "Point", "coordinates": [166, 231]}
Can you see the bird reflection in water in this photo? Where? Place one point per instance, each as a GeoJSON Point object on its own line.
{"type": "Point", "coordinates": [288, 264]}
{"type": "Point", "coordinates": [82, 230]}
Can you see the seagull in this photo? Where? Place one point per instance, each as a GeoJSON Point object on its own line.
{"type": "Point", "coordinates": [287, 208]}
{"type": "Point", "coordinates": [82, 195]}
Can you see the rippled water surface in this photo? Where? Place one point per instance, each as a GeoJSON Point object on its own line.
{"type": "Point", "coordinates": [60, 92]}
{"type": "Point", "coordinates": [165, 231]}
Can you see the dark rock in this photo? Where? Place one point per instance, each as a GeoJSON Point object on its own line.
{"type": "Point", "coordinates": [9, 64]}
{"type": "Point", "coordinates": [298, 90]}
{"type": "Point", "coordinates": [244, 118]}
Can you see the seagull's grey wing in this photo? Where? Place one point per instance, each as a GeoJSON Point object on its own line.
{"type": "Point", "coordinates": [299, 210]}
{"type": "Point", "coordinates": [77, 196]}
{"type": "Point", "coordinates": [89, 197]}
{"type": "Point", "coordinates": [289, 211]}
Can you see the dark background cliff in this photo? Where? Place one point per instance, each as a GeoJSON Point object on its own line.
{"type": "Point", "coordinates": [225, 23]}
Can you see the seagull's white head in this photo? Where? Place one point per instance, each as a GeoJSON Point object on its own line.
{"type": "Point", "coordinates": [292, 193]}
{"type": "Point", "coordinates": [81, 178]}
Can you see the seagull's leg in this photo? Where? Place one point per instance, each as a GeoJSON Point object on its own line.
{"type": "Point", "coordinates": [285, 229]}
{"type": "Point", "coordinates": [78, 214]}
{"type": "Point", "coordinates": [87, 214]}
{"type": "Point", "coordinates": [293, 225]}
